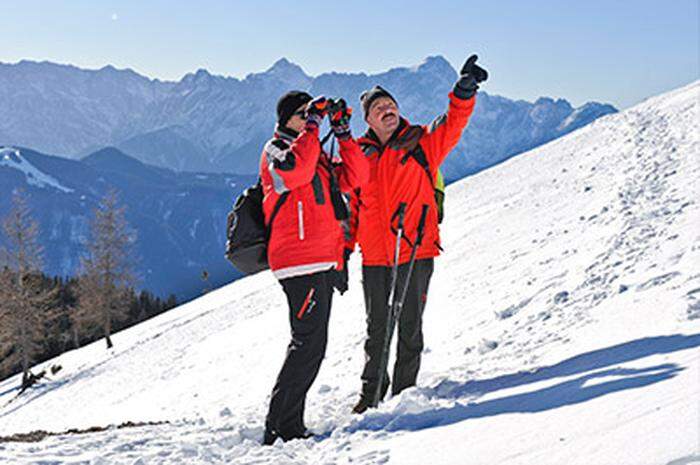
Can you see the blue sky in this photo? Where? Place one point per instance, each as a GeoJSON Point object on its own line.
{"type": "Point", "coordinates": [612, 51]}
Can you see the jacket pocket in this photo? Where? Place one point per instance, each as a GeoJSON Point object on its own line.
{"type": "Point", "coordinates": [300, 219]}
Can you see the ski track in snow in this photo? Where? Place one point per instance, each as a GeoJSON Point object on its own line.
{"type": "Point", "coordinates": [563, 326]}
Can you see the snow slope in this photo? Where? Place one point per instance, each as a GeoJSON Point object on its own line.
{"type": "Point", "coordinates": [12, 158]}
{"type": "Point", "coordinates": [563, 327]}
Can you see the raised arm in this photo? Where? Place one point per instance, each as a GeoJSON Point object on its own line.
{"type": "Point", "coordinates": [354, 170]}
{"type": "Point", "coordinates": [353, 221]}
{"type": "Point", "coordinates": [293, 165]}
{"type": "Point", "coordinates": [444, 132]}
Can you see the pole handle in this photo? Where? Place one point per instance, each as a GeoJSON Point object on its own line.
{"type": "Point", "coordinates": [421, 224]}
{"type": "Point", "coordinates": [400, 212]}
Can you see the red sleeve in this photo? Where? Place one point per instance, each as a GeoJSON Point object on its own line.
{"type": "Point", "coordinates": [294, 165]}
{"type": "Point", "coordinates": [444, 132]}
{"type": "Point", "coordinates": [354, 170]}
{"type": "Point", "coordinates": [354, 220]}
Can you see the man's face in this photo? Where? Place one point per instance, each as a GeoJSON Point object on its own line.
{"type": "Point", "coordinates": [298, 119]}
{"type": "Point", "coordinates": [383, 115]}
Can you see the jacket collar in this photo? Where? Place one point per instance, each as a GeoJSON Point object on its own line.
{"type": "Point", "coordinates": [286, 133]}
{"type": "Point", "coordinates": [289, 135]}
{"type": "Point", "coordinates": [370, 137]}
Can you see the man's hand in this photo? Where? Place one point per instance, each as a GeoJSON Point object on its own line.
{"type": "Point", "coordinates": [316, 110]}
{"type": "Point", "coordinates": [339, 115]}
{"type": "Point", "coordinates": [469, 79]}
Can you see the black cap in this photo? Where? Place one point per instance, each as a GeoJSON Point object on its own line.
{"type": "Point", "coordinates": [288, 103]}
{"type": "Point", "coordinates": [373, 94]}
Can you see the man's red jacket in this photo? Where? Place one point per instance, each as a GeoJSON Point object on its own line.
{"type": "Point", "coordinates": [396, 177]}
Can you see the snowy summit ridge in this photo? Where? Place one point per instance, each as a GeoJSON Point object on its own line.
{"type": "Point", "coordinates": [563, 327]}
{"type": "Point", "coordinates": [206, 122]}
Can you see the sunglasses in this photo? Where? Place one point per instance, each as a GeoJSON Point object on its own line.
{"type": "Point", "coordinates": [301, 114]}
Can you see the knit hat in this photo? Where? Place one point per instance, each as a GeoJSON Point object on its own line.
{"type": "Point", "coordinates": [288, 104]}
{"type": "Point", "coordinates": [369, 96]}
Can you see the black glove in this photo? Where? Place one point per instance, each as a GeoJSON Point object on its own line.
{"type": "Point", "coordinates": [469, 79]}
{"type": "Point", "coordinates": [339, 115]}
{"type": "Point", "coordinates": [316, 110]}
{"type": "Point", "coordinates": [340, 278]}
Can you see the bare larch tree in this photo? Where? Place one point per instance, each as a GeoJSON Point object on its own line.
{"type": "Point", "coordinates": [25, 301]}
{"type": "Point", "coordinates": [107, 270]}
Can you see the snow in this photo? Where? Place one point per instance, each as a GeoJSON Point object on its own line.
{"type": "Point", "coordinates": [12, 158]}
{"type": "Point", "coordinates": [193, 228]}
{"type": "Point", "coordinates": [563, 327]}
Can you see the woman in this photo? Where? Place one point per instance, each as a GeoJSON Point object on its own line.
{"type": "Point", "coordinates": [304, 210]}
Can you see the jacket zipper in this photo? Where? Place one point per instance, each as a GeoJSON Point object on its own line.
{"type": "Point", "coordinates": [382, 194]}
{"type": "Point", "coordinates": [300, 211]}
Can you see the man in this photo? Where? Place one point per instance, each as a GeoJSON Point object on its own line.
{"type": "Point", "coordinates": [404, 161]}
{"type": "Point", "coordinates": [303, 211]}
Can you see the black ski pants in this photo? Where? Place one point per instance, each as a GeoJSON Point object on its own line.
{"type": "Point", "coordinates": [309, 299]}
{"type": "Point", "coordinates": [376, 282]}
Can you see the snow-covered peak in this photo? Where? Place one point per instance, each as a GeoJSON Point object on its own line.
{"type": "Point", "coordinates": [283, 70]}
{"type": "Point", "coordinates": [584, 114]}
{"type": "Point", "coordinates": [114, 71]}
{"type": "Point", "coordinates": [285, 67]}
{"type": "Point", "coordinates": [12, 158]}
{"type": "Point", "coordinates": [198, 78]}
{"type": "Point", "coordinates": [436, 64]}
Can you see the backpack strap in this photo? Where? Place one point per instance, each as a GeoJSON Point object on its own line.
{"type": "Point", "coordinates": [340, 207]}
{"type": "Point", "coordinates": [419, 156]}
{"type": "Point", "coordinates": [326, 137]}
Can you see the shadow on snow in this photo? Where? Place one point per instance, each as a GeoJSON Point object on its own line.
{"type": "Point", "coordinates": [570, 392]}
{"type": "Point", "coordinates": [583, 363]}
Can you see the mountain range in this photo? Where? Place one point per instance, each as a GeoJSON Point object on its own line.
{"type": "Point", "coordinates": [218, 124]}
{"type": "Point", "coordinates": [171, 146]}
{"type": "Point", "coordinates": [177, 219]}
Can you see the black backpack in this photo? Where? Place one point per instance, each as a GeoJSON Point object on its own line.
{"type": "Point", "coordinates": [247, 236]}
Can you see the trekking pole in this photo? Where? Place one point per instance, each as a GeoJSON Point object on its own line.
{"type": "Point", "coordinates": [397, 252]}
{"type": "Point", "coordinates": [384, 360]}
{"type": "Point", "coordinates": [397, 306]}
{"type": "Point", "coordinates": [412, 261]}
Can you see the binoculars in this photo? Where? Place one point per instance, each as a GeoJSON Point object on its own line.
{"type": "Point", "coordinates": [335, 105]}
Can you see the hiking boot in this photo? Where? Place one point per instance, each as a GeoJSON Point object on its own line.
{"type": "Point", "coordinates": [269, 437]}
{"type": "Point", "coordinates": [361, 407]}
{"type": "Point", "coordinates": [305, 435]}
